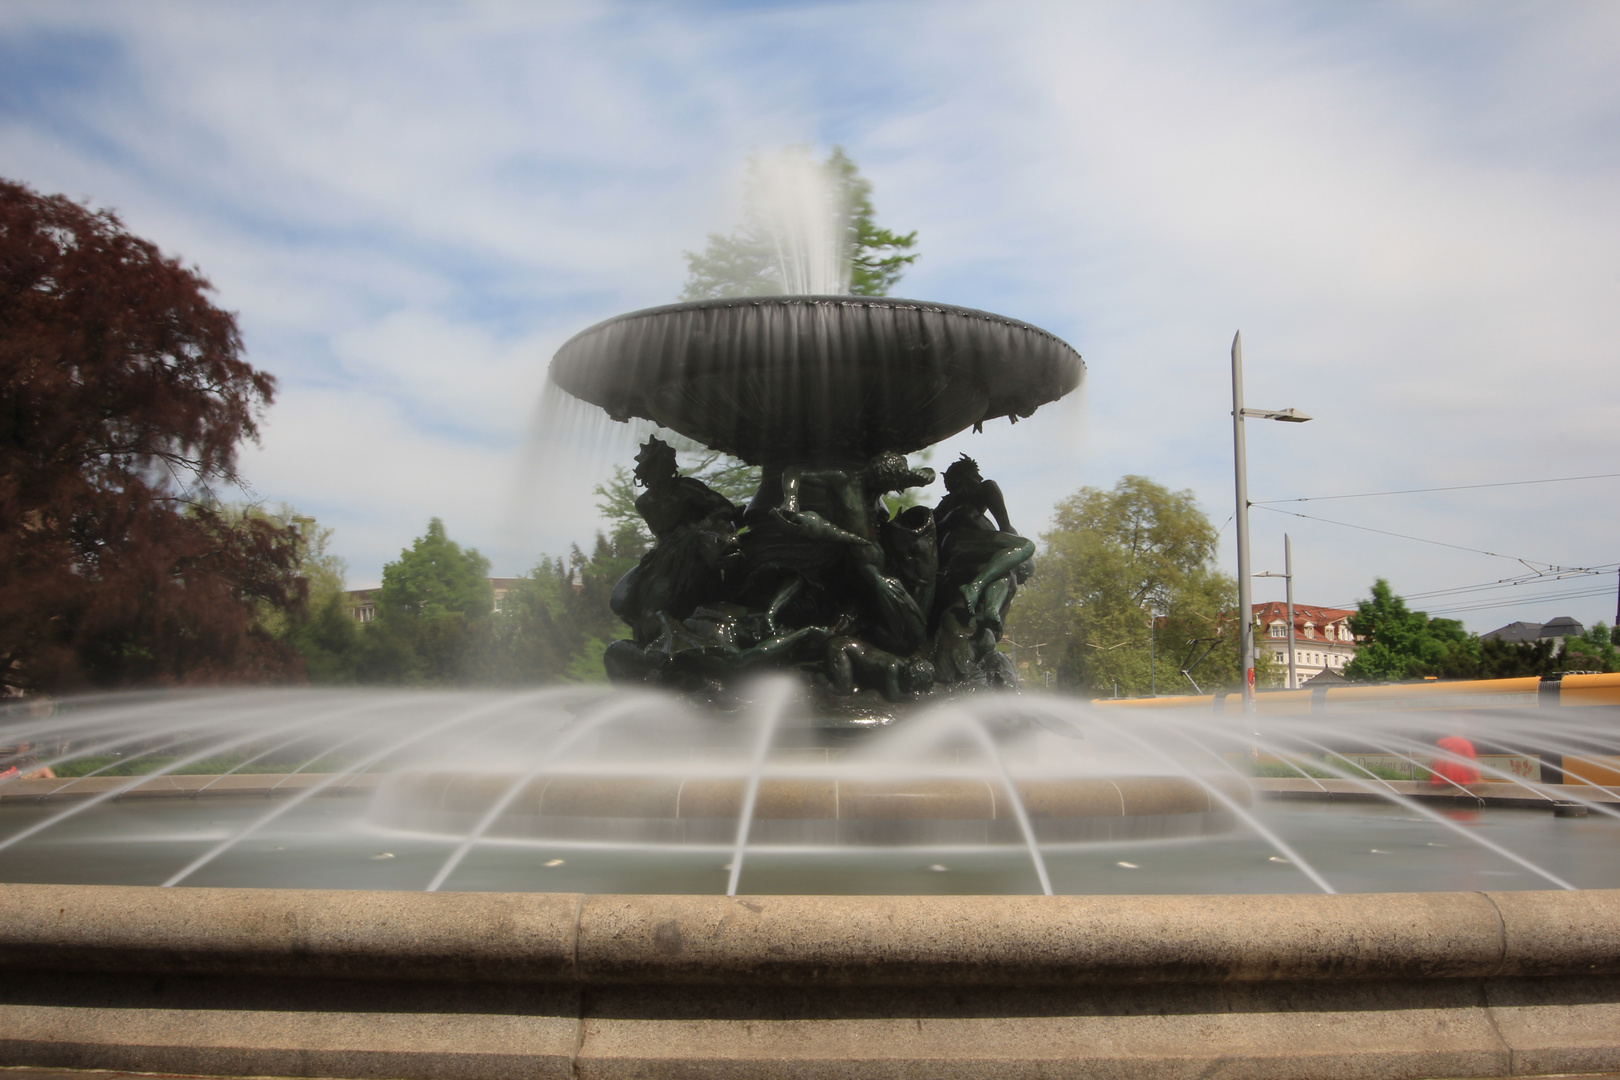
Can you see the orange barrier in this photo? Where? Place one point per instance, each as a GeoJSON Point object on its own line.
{"type": "Point", "coordinates": [1522, 693]}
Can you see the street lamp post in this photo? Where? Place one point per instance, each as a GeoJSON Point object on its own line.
{"type": "Point", "coordinates": [1241, 469]}
{"type": "Point", "coordinates": [1153, 675]}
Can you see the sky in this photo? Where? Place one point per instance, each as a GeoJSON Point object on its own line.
{"type": "Point", "coordinates": [1409, 210]}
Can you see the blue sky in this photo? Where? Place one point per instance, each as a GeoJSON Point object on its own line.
{"type": "Point", "coordinates": [1408, 209]}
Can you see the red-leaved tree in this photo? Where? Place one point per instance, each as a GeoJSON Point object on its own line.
{"type": "Point", "coordinates": [123, 398]}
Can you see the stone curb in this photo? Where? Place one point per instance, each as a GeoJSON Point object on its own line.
{"type": "Point", "coordinates": [808, 940]}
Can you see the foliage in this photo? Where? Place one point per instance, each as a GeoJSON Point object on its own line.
{"type": "Point", "coordinates": [435, 602]}
{"type": "Point", "coordinates": [329, 642]}
{"type": "Point", "coordinates": [123, 398]}
{"type": "Point", "coordinates": [1403, 644]}
{"type": "Point", "coordinates": [1592, 651]}
{"type": "Point", "coordinates": [1113, 560]}
{"type": "Point", "coordinates": [1397, 643]}
{"type": "Point", "coordinates": [238, 762]}
{"type": "Point", "coordinates": [745, 262]}
{"type": "Point", "coordinates": [434, 578]}
{"type": "Point", "coordinates": [878, 255]}
{"type": "Point", "coordinates": [1291, 769]}
{"type": "Point", "coordinates": [436, 624]}
{"type": "Point", "coordinates": [322, 571]}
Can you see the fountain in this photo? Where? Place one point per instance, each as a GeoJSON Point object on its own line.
{"type": "Point", "coordinates": [811, 831]}
{"type": "Point", "coordinates": [605, 881]}
{"type": "Point", "coordinates": [827, 394]}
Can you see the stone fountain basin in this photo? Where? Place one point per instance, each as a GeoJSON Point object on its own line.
{"type": "Point", "coordinates": [427, 985]}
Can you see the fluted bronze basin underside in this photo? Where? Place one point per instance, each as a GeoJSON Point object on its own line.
{"type": "Point", "coordinates": [804, 378]}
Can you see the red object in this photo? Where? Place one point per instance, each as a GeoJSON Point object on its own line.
{"type": "Point", "coordinates": [1446, 769]}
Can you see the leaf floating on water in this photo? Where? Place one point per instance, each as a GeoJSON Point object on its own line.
{"type": "Point", "coordinates": [383, 855]}
{"type": "Point", "coordinates": [1128, 865]}
{"type": "Point", "coordinates": [1279, 858]}
{"type": "Point", "coordinates": [1433, 843]}
{"type": "Point", "coordinates": [554, 862]}
{"type": "Point", "coordinates": [1379, 851]}
{"type": "Point", "coordinates": [939, 867]}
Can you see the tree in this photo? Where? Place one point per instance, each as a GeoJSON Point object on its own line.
{"type": "Point", "coordinates": [433, 612]}
{"type": "Point", "coordinates": [1397, 643]}
{"type": "Point", "coordinates": [322, 571]}
{"type": "Point", "coordinates": [1592, 651]}
{"type": "Point", "coordinates": [533, 637]}
{"type": "Point", "coordinates": [123, 398]}
{"type": "Point", "coordinates": [329, 643]}
{"type": "Point", "coordinates": [1114, 561]}
{"type": "Point", "coordinates": [748, 262]}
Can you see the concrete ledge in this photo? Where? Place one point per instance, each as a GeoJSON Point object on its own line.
{"type": "Point", "coordinates": [808, 940]}
{"type": "Point", "coordinates": [431, 986]}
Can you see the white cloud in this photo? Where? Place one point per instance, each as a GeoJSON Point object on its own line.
{"type": "Point", "coordinates": [1408, 211]}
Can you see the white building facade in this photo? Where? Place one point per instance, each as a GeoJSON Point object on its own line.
{"type": "Point", "coordinates": [1322, 638]}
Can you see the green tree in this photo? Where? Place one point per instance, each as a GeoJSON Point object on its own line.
{"type": "Point", "coordinates": [321, 571]}
{"type": "Point", "coordinates": [747, 262]}
{"type": "Point", "coordinates": [329, 641]}
{"type": "Point", "coordinates": [433, 613]}
{"type": "Point", "coordinates": [434, 577]}
{"type": "Point", "coordinates": [1398, 643]}
{"type": "Point", "coordinates": [1113, 561]}
{"type": "Point", "coordinates": [1592, 651]}
{"type": "Point", "coordinates": [533, 637]}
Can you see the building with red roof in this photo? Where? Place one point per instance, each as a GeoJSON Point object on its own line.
{"type": "Point", "coordinates": [1322, 638]}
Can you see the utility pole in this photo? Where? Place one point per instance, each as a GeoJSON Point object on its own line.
{"type": "Point", "coordinates": [1288, 592]}
{"type": "Point", "coordinates": [1240, 467]}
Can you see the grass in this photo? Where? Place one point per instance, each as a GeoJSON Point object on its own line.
{"type": "Point", "coordinates": [109, 765]}
{"type": "Point", "coordinates": [1292, 768]}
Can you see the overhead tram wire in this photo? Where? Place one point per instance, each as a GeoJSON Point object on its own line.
{"type": "Point", "coordinates": [1532, 563]}
{"type": "Point", "coordinates": [1516, 601]}
{"type": "Point", "coordinates": [1486, 602]}
{"type": "Point", "coordinates": [1468, 592]}
{"type": "Point", "coordinates": [1548, 571]}
{"type": "Point", "coordinates": [1533, 578]}
{"type": "Point", "coordinates": [1424, 491]}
